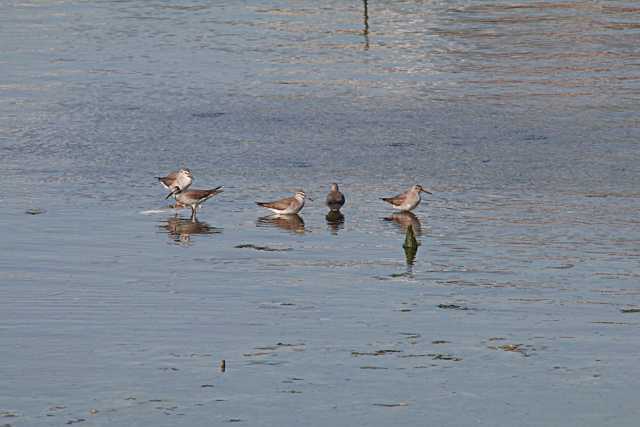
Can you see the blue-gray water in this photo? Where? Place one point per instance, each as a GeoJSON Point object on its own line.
{"type": "Point", "coordinates": [521, 117]}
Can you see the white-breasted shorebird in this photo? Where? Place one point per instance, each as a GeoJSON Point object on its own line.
{"type": "Point", "coordinates": [194, 198]}
{"type": "Point", "coordinates": [178, 180]}
{"type": "Point", "coordinates": [286, 206]}
{"type": "Point", "coordinates": [335, 199]}
{"type": "Point", "coordinates": [407, 200]}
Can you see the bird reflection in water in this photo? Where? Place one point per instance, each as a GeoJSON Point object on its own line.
{"type": "Point", "coordinates": [290, 222]}
{"type": "Point", "coordinates": [335, 221]}
{"type": "Point", "coordinates": [180, 230]}
{"type": "Point", "coordinates": [410, 247]}
{"type": "Point", "coordinates": [405, 219]}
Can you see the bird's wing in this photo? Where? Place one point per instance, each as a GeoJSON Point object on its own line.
{"type": "Point", "coordinates": [169, 180]}
{"type": "Point", "coordinates": [201, 194]}
{"type": "Point", "coordinates": [195, 194]}
{"type": "Point", "coordinates": [396, 200]}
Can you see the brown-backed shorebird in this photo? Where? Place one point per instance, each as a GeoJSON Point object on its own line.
{"type": "Point", "coordinates": [407, 200]}
{"type": "Point", "coordinates": [286, 206]}
{"type": "Point", "coordinates": [194, 198]}
{"type": "Point", "coordinates": [335, 199]}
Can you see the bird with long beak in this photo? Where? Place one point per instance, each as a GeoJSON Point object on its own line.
{"type": "Point", "coordinates": [194, 198]}
{"type": "Point", "coordinates": [286, 206]}
{"type": "Point", "coordinates": [407, 200]}
{"type": "Point", "coordinates": [176, 181]}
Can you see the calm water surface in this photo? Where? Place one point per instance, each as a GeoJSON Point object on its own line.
{"type": "Point", "coordinates": [521, 117]}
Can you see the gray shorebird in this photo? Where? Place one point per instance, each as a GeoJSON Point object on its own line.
{"type": "Point", "coordinates": [194, 198]}
{"type": "Point", "coordinates": [407, 200]}
{"type": "Point", "coordinates": [335, 199]}
{"type": "Point", "coordinates": [286, 206]}
{"type": "Point", "coordinates": [178, 180]}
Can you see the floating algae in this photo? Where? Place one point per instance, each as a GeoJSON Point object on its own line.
{"type": "Point", "coordinates": [261, 248]}
{"type": "Point", "coordinates": [452, 307]}
{"type": "Point", "coordinates": [35, 211]}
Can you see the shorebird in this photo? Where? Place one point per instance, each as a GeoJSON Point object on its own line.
{"type": "Point", "coordinates": [194, 198]}
{"type": "Point", "coordinates": [286, 206]}
{"type": "Point", "coordinates": [335, 199]}
{"type": "Point", "coordinates": [178, 180]}
{"type": "Point", "coordinates": [407, 200]}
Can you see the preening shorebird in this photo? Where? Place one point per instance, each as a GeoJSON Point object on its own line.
{"type": "Point", "coordinates": [177, 180]}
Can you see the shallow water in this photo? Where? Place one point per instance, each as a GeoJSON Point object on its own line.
{"type": "Point", "coordinates": [521, 117]}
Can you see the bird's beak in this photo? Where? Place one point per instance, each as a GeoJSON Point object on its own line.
{"type": "Point", "coordinates": [425, 191]}
{"type": "Point", "coordinates": [309, 198]}
{"type": "Point", "coordinates": [177, 190]}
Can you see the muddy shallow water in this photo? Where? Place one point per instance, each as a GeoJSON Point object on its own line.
{"type": "Point", "coordinates": [520, 303]}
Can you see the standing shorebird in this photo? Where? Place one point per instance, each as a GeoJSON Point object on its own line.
{"type": "Point", "coordinates": [335, 199]}
{"type": "Point", "coordinates": [179, 180]}
{"type": "Point", "coordinates": [286, 206]}
{"type": "Point", "coordinates": [407, 200]}
{"type": "Point", "coordinates": [194, 198]}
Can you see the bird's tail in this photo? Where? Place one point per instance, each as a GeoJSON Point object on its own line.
{"type": "Point", "coordinates": [216, 190]}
